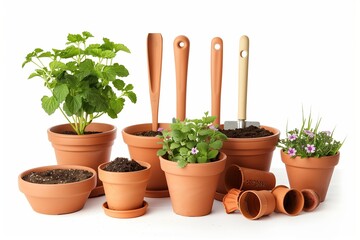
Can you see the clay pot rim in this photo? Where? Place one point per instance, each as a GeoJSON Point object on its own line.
{"type": "Point", "coordinates": [142, 163]}
{"type": "Point", "coordinates": [279, 186]}
{"type": "Point", "coordinates": [316, 199]}
{"type": "Point", "coordinates": [126, 132]}
{"type": "Point", "coordinates": [49, 167]}
{"type": "Point", "coordinates": [108, 132]}
{"type": "Point", "coordinates": [125, 213]}
{"type": "Point", "coordinates": [310, 162]}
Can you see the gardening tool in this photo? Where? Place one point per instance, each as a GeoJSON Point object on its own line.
{"type": "Point", "coordinates": [154, 48]}
{"type": "Point", "coordinates": [216, 77]}
{"type": "Point", "coordinates": [181, 52]}
{"type": "Point", "coordinates": [242, 88]}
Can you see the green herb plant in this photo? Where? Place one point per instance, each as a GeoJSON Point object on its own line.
{"type": "Point", "coordinates": [83, 79]}
{"type": "Point", "coordinates": [192, 141]}
{"type": "Point", "coordinates": [309, 141]}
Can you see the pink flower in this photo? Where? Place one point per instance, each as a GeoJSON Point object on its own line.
{"type": "Point", "coordinates": [310, 148]}
{"type": "Point", "coordinates": [194, 151]}
{"type": "Point", "coordinates": [292, 152]}
{"type": "Point", "coordinates": [293, 137]}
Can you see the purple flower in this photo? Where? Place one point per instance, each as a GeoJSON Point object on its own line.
{"type": "Point", "coordinates": [194, 151]}
{"type": "Point", "coordinates": [292, 152]}
{"type": "Point", "coordinates": [310, 148]}
{"type": "Point", "coordinates": [160, 129]}
{"type": "Point", "coordinates": [309, 133]}
{"type": "Point", "coordinates": [213, 127]}
{"type": "Point", "coordinates": [293, 137]}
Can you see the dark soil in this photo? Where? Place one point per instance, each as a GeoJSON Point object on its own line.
{"type": "Point", "coordinates": [57, 176]}
{"type": "Point", "coordinates": [74, 133]}
{"type": "Point", "coordinates": [148, 133]}
{"type": "Point", "coordinates": [248, 132]}
{"type": "Point", "coordinates": [123, 165]}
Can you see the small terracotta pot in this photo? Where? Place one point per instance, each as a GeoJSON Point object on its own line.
{"type": "Point", "coordinates": [85, 150]}
{"type": "Point", "coordinates": [142, 148]}
{"type": "Point", "coordinates": [288, 201]}
{"type": "Point", "coordinates": [311, 173]}
{"type": "Point", "coordinates": [256, 204]}
{"type": "Point", "coordinates": [57, 198]}
{"type": "Point", "coordinates": [248, 179]}
{"type": "Point", "coordinates": [230, 200]}
{"type": "Point", "coordinates": [125, 190]}
{"type": "Point", "coordinates": [311, 200]}
{"type": "Point", "coordinates": [192, 188]}
{"type": "Point", "coordinates": [255, 153]}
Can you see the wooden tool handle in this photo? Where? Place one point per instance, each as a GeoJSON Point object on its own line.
{"type": "Point", "coordinates": [243, 76]}
{"type": "Point", "coordinates": [216, 77]}
{"type": "Point", "coordinates": [154, 48]}
{"type": "Point", "coordinates": [181, 52]}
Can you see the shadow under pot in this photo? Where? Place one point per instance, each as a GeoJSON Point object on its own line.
{"type": "Point", "coordinates": [63, 188]}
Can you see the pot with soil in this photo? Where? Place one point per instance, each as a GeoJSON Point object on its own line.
{"type": "Point", "coordinates": [250, 147]}
{"type": "Point", "coordinates": [125, 184]}
{"type": "Point", "coordinates": [58, 189]}
{"type": "Point", "coordinates": [90, 149]}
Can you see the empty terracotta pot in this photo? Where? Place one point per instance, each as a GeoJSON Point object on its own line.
{"type": "Point", "coordinates": [230, 200]}
{"type": "Point", "coordinates": [311, 200]}
{"type": "Point", "coordinates": [192, 188]}
{"type": "Point", "coordinates": [310, 173]}
{"type": "Point", "coordinates": [125, 190]}
{"type": "Point", "coordinates": [57, 198]}
{"type": "Point", "coordinates": [288, 201]}
{"type": "Point", "coordinates": [248, 179]}
{"type": "Point", "coordinates": [88, 150]}
{"type": "Point", "coordinates": [145, 149]}
{"type": "Point", "coordinates": [256, 204]}
{"type": "Point", "coordinates": [255, 153]}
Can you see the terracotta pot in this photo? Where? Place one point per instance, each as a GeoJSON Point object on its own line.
{"type": "Point", "coordinates": [256, 204]}
{"type": "Point", "coordinates": [57, 198]}
{"type": "Point", "coordinates": [125, 190]}
{"type": "Point", "coordinates": [145, 149]}
{"type": "Point", "coordinates": [85, 150]}
{"type": "Point", "coordinates": [311, 200]}
{"type": "Point", "coordinates": [248, 178]}
{"type": "Point", "coordinates": [255, 153]}
{"type": "Point", "coordinates": [312, 173]}
{"type": "Point", "coordinates": [230, 200]}
{"type": "Point", "coordinates": [288, 201]}
{"type": "Point", "coordinates": [193, 187]}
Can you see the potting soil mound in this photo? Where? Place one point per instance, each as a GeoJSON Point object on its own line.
{"type": "Point", "coordinates": [148, 133]}
{"type": "Point", "coordinates": [123, 165]}
{"type": "Point", "coordinates": [57, 176]}
{"type": "Point", "coordinates": [248, 132]}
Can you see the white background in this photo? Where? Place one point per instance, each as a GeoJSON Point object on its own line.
{"type": "Point", "coordinates": [302, 54]}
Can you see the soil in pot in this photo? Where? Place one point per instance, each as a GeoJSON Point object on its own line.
{"type": "Point", "coordinates": [74, 133]}
{"type": "Point", "coordinates": [57, 176]}
{"type": "Point", "coordinates": [148, 133]}
{"type": "Point", "coordinates": [248, 132]}
{"type": "Point", "coordinates": [121, 164]}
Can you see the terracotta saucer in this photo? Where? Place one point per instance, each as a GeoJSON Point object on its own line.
{"type": "Point", "coordinates": [97, 192]}
{"type": "Point", "coordinates": [126, 213]}
{"type": "Point", "coordinates": [157, 193]}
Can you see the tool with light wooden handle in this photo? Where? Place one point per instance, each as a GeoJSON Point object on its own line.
{"type": "Point", "coordinates": [242, 88]}
{"type": "Point", "coordinates": [216, 77]}
{"type": "Point", "coordinates": [154, 50]}
{"type": "Point", "coordinates": [181, 52]}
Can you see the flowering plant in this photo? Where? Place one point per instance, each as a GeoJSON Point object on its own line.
{"type": "Point", "coordinates": [192, 141]}
{"type": "Point", "coordinates": [309, 142]}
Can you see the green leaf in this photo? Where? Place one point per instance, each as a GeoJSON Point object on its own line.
{"type": "Point", "coordinates": [117, 105]}
{"type": "Point", "coordinates": [131, 96]}
{"type": "Point", "coordinates": [73, 38]}
{"type": "Point", "coordinates": [121, 47]}
{"type": "Point", "coordinates": [118, 84]}
{"type": "Point", "coordinates": [87, 34]}
{"type": "Point", "coordinates": [45, 54]}
{"type": "Point", "coordinates": [212, 154]}
{"type": "Point", "coordinates": [107, 54]}
{"type": "Point", "coordinates": [190, 145]}
{"type": "Point", "coordinates": [184, 151]}
{"type": "Point", "coordinates": [204, 132]}
{"type": "Point", "coordinates": [202, 159]}
{"type": "Point", "coordinates": [185, 129]}
{"type": "Point", "coordinates": [60, 92]}
{"type": "Point", "coordinates": [129, 87]}
{"type": "Point", "coordinates": [73, 103]}
{"type": "Point", "coordinates": [191, 159]}
{"type": "Point", "coordinates": [161, 152]}
{"type": "Point", "coordinates": [69, 52]}
{"type": "Point", "coordinates": [192, 137]}
{"type": "Point", "coordinates": [55, 65]}
{"type": "Point", "coordinates": [49, 104]}
{"type": "Point", "coordinates": [216, 145]}
{"type": "Point", "coordinates": [202, 147]}
{"type": "Point", "coordinates": [120, 70]}
{"type": "Point", "coordinates": [97, 100]}
{"type": "Point", "coordinates": [34, 75]}
{"type": "Point", "coordinates": [182, 163]}
{"type": "Point", "coordinates": [174, 145]}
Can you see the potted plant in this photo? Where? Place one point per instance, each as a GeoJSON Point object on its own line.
{"type": "Point", "coordinates": [57, 189]}
{"type": "Point", "coordinates": [84, 83]}
{"type": "Point", "coordinates": [124, 183]}
{"type": "Point", "coordinates": [192, 161]}
{"type": "Point", "coordinates": [310, 156]}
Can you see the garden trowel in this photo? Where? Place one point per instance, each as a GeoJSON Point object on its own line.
{"type": "Point", "coordinates": [242, 88]}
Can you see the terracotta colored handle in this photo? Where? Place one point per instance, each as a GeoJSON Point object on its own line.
{"type": "Point", "coordinates": [154, 48]}
{"type": "Point", "coordinates": [216, 77]}
{"type": "Point", "coordinates": [181, 51]}
{"type": "Point", "coordinates": [243, 76]}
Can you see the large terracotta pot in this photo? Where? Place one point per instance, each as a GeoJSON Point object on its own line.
{"type": "Point", "coordinates": [142, 148]}
{"type": "Point", "coordinates": [86, 150]}
{"type": "Point", "coordinates": [192, 188]}
{"type": "Point", "coordinates": [125, 191]}
{"type": "Point", "coordinates": [57, 198]}
{"type": "Point", "coordinates": [310, 173]}
{"type": "Point", "coordinates": [255, 153]}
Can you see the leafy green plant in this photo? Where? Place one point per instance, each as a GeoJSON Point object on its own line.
{"type": "Point", "coordinates": [192, 141]}
{"type": "Point", "coordinates": [309, 141]}
{"type": "Point", "coordinates": [83, 79]}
